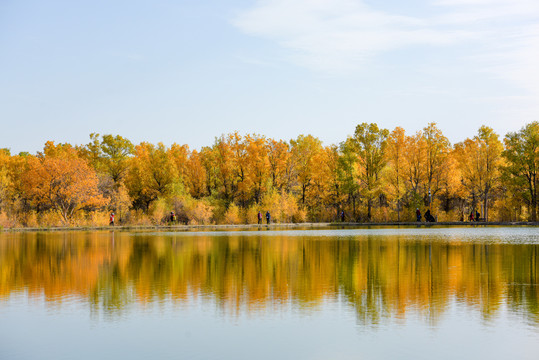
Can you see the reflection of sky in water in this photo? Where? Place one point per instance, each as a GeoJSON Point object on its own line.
{"type": "Point", "coordinates": [519, 235]}
{"type": "Point", "coordinates": [381, 293]}
{"type": "Point", "coordinates": [196, 332]}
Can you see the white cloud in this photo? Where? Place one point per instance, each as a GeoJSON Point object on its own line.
{"type": "Point", "coordinates": [338, 35]}
{"type": "Point", "coordinates": [501, 37]}
{"type": "Point", "coordinates": [509, 45]}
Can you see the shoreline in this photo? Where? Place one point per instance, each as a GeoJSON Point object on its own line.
{"type": "Point", "coordinates": [287, 226]}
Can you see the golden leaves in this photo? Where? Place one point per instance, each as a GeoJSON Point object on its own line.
{"type": "Point", "coordinates": [63, 182]}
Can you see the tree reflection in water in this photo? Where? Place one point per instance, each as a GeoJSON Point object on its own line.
{"type": "Point", "coordinates": [380, 277]}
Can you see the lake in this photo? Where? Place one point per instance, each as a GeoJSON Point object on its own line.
{"type": "Point", "coordinates": [387, 293]}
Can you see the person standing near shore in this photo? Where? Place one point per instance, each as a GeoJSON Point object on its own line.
{"type": "Point", "coordinates": [342, 215]}
{"type": "Point", "coordinates": [259, 218]}
{"type": "Point", "coordinates": [268, 217]}
{"type": "Point", "coordinates": [111, 219]}
{"type": "Point", "coordinates": [418, 214]}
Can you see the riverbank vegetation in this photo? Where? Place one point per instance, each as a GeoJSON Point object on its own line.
{"type": "Point", "coordinates": [374, 175]}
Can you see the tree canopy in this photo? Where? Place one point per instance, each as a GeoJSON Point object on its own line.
{"type": "Point", "coordinates": [373, 175]}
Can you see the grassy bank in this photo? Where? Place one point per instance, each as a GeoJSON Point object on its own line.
{"type": "Point", "coordinates": [290, 226]}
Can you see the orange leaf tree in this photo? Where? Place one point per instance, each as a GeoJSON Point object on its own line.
{"type": "Point", "coordinates": [64, 183]}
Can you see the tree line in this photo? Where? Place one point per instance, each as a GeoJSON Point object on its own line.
{"type": "Point", "coordinates": [374, 175]}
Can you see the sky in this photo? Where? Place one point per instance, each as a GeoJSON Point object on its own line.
{"type": "Point", "coordinates": [188, 71]}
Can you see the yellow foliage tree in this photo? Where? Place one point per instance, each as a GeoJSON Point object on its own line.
{"type": "Point", "coordinates": [151, 174]}
{"type": "Point", "coordinates": [396, 171]}
{"type": "Point", "coordinates": [437, 149]}
{"type": "Point", "coordinates": [280, 164]}
{"type": "Point", "coordinates": [304, 151]}
{"type": "Point", "coordinates": [195, 175]}
{"type": "Point", "coordinates": [257, 165]}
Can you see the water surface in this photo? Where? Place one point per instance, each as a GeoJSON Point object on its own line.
{"type": "Point", "coordinates": [414, 293]}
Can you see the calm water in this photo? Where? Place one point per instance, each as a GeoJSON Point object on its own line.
{"type": "Point", "coordinates": [454, 293]}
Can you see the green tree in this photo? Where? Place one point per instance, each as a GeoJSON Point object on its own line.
{"type": "Point", "coordinates": [110, 155]}
{"type": "Point", "coordinates": [522, 156]}
{"type": "Point", "coordinates": [116, 152]}
{"type": "Point", "coordinates": [348, 173]}
{"type": "Point", "coordinates": [370, 144]}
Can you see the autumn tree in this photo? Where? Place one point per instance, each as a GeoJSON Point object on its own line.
{"type": "Point", "coordinates": [467, 155]}
{"type": "Point", "coordinates": [522, 156]}
{"type": "Point", "coordinates": [280, 164]}
{"type": "Point", "coordinates": [110, 156]}
{"type": "Point", "coordinates": [92, 152]}
{"type": "Point", "coordinates": [257, 165]}
{"type": "Point", "coordinates": [370, 144]}
{"type": "Point", "coordinates": [208, 159]}
{"type": "Point", "coordinates": [115, 159]}
{"type": "Point", "coordinates": [151, 174]}
{"type": "Point", "coordinates": [490, 148]}
{"type": "Point", "coordinates": [437, 149]}
{"type": "Point", "coordinates": [14, 201]}
{"type": "Point", "coordinates": [60, 180]}
{"type": "Point", "coordinates": [304, 150]}
{"type": "Point", "coordinates": [116, 153]}
{"type": "Point", "coordinates": [60, 150]}
{"type": "Point", "coordinates": [348, 172]}
{"type": "Point", "coordinates": [5, 181]}
{"type": "Point", "coordinates": [195, 175]}
{"type": "Point", "coordinates": [240, 180]}
{"type": "Point", "coordinates": [479, 161]}
{"type": "Point", "coordinates": [396, 147]}
{"type": "Point", "coordinates": [373, 168]}
{"type": "Point", "coordinates": [414, 158]}
{"type": "Point", "coordinates": [221, 166]}
{"type": "Point", "coordinates": [326, 188]}
{"type": "Point", "coordinates": [179, 155]}
{"type": "Point", "coordinates": [8, 179]}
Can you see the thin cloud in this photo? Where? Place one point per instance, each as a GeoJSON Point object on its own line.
{"type": "Point", "coordinates": [338, 35]}
{"type": "Point", "coordinates": [510, 41]}
{"type": "Point", "coordinates": [498, 37]}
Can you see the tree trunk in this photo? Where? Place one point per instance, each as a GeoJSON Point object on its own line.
{"type": "Point", "coordinates": [485, 208]}
{"type": "Point", "coordinates": [534, 207]}
{"type": "Point", "coordinates": [369, 206]}
{"type": "Point", "coordinates": [486, 192]}
{"type": "Point", "coordinates": [354, 207]}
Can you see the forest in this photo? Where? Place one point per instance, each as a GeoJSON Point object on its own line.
{"type": "Point", "coordinates": [375, 175]}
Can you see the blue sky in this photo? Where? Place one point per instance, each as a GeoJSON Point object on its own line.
{"type": "Point", "coordinates": [187, 71]}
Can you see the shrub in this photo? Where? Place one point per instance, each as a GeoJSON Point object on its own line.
{"type": "Point", "coordinates": [159, 211]}
{"type": "Point", "coordinates": [50, 218]}
{"type": "Point", "coordinates": [5, 221]}
{"type": "Point", "coordinates": [192, 211]}
{"type": "Point", "coordinates": [200, 213]}
{"type": "Point", "coordinates": [251, 214]}
{"type": "Point", "coordinates": [232, 215]}
{"type": "Point", "coordinates": [282, 207]}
